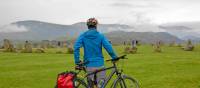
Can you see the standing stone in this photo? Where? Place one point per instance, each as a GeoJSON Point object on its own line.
{"type": "Point", "coordinates": [129, 50]}
{"type": "Point", "coordinates": [7, 46]}
{"type": "Point", "coordinates": [64, 44]}
{"type": "Point", "coordinates": [126, 50]}
{"type": "Point", "coordinates": [189, 46]}
{"type": "Point", "coordinates": [1, 47]}
{"type": "Point", "coordinates": [54, 44]}
{"type": "Point", "coordinates": [132, 49]}
{"type": "Point", "coordinates": [70, 49]}
{"type": "Point", "coordinates": [28, 47]}
{"type": "Point", "coordinates": [59, 44]}
{"type": "Point", "coordinates": [138, 42]}
{"type": "Point", "coordinates": [124, 43]}
{"type": "Point", "coordinates": [19, 47]}
{"type": "Point", "coordinates": [157, 47]}
{"type": "Point", "coordinates": [35, 45]}
{"type": "Point", "coordinates": [133, 43]}
{"type": "Point", "coordinates": [45, 44]}
{"type": "Point", "coordinates": [39, 50]}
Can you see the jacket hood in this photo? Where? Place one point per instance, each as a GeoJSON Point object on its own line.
{"type": "Point", "coordinates": [91, 34]}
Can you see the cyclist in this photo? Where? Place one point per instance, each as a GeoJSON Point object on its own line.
{"type": "Point", "coordinates": [92, 42]}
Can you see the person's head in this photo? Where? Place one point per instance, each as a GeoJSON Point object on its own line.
{"type": "Point", "coordinates": [92, 23]}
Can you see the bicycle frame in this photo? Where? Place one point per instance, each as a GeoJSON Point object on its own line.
{"type": "Point", "coordinates": [114, 71]}
{"type": "Point", "coordinates": [106, 81]}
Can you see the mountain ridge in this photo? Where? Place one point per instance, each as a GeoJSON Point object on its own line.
{"type": "Point", "coordinates": [38, 30]}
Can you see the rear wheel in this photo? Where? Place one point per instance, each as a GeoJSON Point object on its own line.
{"type": "Point", "coordinates": [79, 83]}
{"type": "Point", "coordinates": [126, 82]}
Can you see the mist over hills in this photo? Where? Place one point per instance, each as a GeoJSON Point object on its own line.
{"type": "Point", "coordinates": [37, 30]}
{"type": "Point", "coordinates": [145, 37]}
{"type": "Point", "coordinates": [184, 30]}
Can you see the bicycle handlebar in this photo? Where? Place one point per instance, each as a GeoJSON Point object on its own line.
{"type": "Point", "coordinates": [120, 57]}
{"type": "Point", "coordinates": [81, 65]}
{"type": "Point", "coordinates": [116, 59]}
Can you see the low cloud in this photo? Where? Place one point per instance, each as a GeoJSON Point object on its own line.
{"type": "Point", "coordinates": [176, 28]}
{"type": "Point", "coordinates": [12, 28]}
{"type": "Point", "coordinates": [121, 5]}
{"type": "Point", "coordinates": [135, 4]}
{"type": "Point", "coordinates": [136, 18]}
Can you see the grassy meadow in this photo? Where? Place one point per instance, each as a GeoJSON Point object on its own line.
{"type": "Point", "coordinates": [173, 68]}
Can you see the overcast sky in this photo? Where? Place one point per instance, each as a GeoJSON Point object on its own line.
{"type": "Point", "coordinates": [107, 11]}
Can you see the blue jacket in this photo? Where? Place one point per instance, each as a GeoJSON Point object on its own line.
{"type": "Point", "coordinates": [92, 42]}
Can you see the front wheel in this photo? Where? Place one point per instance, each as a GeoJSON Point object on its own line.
{"type": "Point", "coordinates": [126, 82]}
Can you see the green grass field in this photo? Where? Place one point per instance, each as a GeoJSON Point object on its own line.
{"type": "Point", "coordinates": [173, 68]}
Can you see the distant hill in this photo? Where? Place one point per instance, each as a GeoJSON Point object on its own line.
{"type": "Point", "coordinates": [145, 37]}
{"type": "Point", "coordinates": [37, 30]}
{"type": "Point", "coordinates": [194, 39]}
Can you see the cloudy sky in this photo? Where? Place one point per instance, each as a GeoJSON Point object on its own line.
{"type": "Point", "coordinates": [107, 11]}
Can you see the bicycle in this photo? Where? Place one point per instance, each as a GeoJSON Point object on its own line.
{"type": "Point", "coordinates": [122, 81]}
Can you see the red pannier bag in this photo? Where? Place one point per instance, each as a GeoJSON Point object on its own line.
{"type": "Point", "coordinates": [65, 80]}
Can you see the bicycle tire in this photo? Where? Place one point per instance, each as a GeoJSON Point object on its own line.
{"type": "Point", "coordinates": [126, 82]}
{"type": "Point", "coordinates": [79, 83]}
